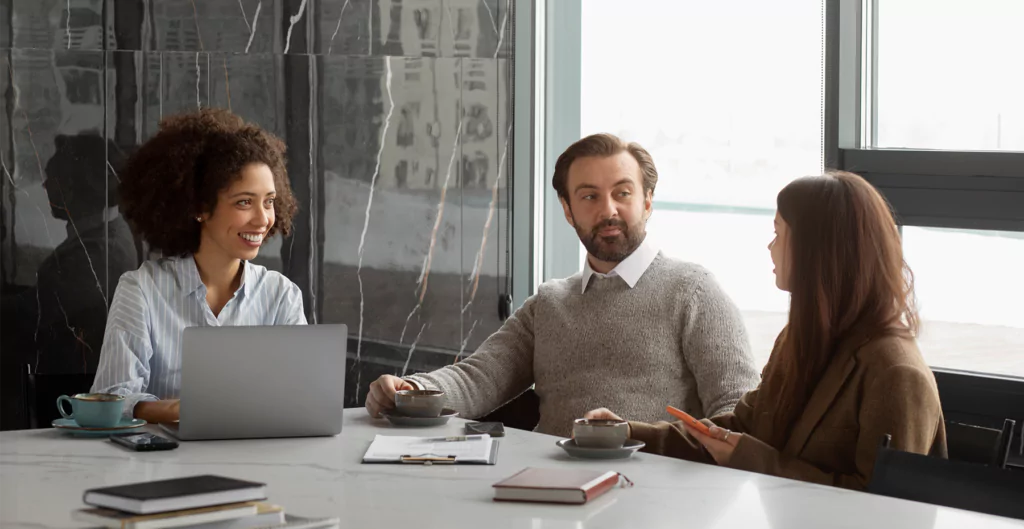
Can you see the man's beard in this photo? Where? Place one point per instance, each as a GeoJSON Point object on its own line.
{"type": "Point", "coordinates": [612, 249]}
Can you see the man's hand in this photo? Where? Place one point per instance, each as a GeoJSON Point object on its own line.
{"type": "Point", "coordinates": [606, 414]}
{"type": "Point", "coordinates": [602, 414]}
{"type": "Point", "coordinates": [382, 394]}
{"type": "Point", "coordinates": [158, 411]}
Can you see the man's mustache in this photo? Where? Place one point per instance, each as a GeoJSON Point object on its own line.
{"type": "Point", "coordinates": [610, 223]}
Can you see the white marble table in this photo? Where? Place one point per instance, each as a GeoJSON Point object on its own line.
{"type": "Point", "coordinates": [43, 474]}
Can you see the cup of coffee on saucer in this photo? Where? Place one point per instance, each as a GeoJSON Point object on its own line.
{"type": "Point", "coordinates": [94, 415]}
{"type": "Point", "coordinates": [93, 410]}
{"type": "Point", "coordinates": [419, 402]}
{"type": "Point", "coordinates": [600, 433]}
{"type": "Point", "coordinates": [600, 439]}
{"type": "Point", "coordinates": [419, 407]}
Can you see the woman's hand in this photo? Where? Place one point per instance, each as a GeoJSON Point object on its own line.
{"type": "Point", "coordinates": [158, 411]}
{"type": "Point", "coordinates": [720, 444]}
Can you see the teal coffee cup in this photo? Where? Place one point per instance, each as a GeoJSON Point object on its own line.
{"type": "Point", "coordinates": [93, 410]}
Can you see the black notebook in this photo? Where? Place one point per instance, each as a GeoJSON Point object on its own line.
{"type": "Point", "coordinates": [175, 494]}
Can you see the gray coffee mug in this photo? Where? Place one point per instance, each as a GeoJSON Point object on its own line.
{"type": "Point", "coordinates": [419, 402]}
{"type": "Point", "coordinates": [93, 410]}
{"type": "Point", "coordinates": [600, 433]}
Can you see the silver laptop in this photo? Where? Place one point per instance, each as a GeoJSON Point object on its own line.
{"type": "Point", "coordinates": [261, 382]}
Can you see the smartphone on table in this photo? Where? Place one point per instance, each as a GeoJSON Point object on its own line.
{"type": "Point", "coordinates": [144, 442]}
{"type": "Point", "coordinates": [494, 429]}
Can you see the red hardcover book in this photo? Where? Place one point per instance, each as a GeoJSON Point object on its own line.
{"type": "Point", "coordinates": [555, 485]}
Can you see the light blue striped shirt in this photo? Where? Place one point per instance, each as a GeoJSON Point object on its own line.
{"type": "Point", "coordinates": [152, 306]}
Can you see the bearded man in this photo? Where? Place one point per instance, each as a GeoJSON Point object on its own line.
{"type": "Point", "coordinates": [633, 332]}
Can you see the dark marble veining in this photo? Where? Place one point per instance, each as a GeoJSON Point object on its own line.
{"type": "Point", "coordinates": [397, 117]}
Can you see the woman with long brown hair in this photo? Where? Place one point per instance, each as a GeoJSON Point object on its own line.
{"type": "Point", "coordinates": [846, 369]}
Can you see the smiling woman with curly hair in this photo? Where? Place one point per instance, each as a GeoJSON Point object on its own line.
{"type": "Point", "coordinates": [205, 192]}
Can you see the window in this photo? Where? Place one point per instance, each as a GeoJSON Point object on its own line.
{"type": "Point", "coordinates": [970, 292]}
{"type": "Point", "coordinates": [921, 97]}
{"type": "Point", "coordinates": [728, 100]}
{"type": "Point", "coordinates": [940, 133]}
{"type": "Point", "coordinates": [950, 74]}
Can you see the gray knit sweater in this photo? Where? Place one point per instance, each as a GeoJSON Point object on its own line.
{"type": "Point", "coordinates": [675, 338]}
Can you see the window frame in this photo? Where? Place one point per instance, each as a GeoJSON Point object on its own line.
{"type": "Point", "coordinates": [978, 190]}
{"type": "Point", "coordinates": [547, 41]}
{"type": "Point", "coordinates": [528, 108]}
{"type": "Point", "coordinates": [563, 73]}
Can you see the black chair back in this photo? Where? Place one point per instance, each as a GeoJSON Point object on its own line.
{"type": "Point", "coordinates": [979, 445]}
{"type": "Point", "coordinates": [984, 400]}
{"type": "Point", "coordinates": [957, 484]}
{"type": "Point", "coordinates": [1006, 442]}
{"type": "Point", "coordinates": [522, 412]}
{"type": "Point", "coordinates": [42, 390]}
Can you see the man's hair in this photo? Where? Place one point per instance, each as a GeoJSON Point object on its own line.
{"type": "Point", "coordinates": [602, 145]}
{"type": "Point", "coordinates": [177, 174]}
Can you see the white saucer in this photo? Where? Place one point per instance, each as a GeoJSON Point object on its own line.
{"type": "Point", "coordinates": [631, 446]}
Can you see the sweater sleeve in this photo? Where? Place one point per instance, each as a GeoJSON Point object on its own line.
{"type": "Point", "coordinates": [716, 348]}
{"type": "Point", "coordinates": [499, 371]}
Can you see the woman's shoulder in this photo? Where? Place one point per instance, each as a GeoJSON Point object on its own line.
{"type": "Point", "coordinates": [888, 350]}
{"type": "Point", "coordinates": [270, 281]}
{"type": "Point", "coordinates": [150, 271]}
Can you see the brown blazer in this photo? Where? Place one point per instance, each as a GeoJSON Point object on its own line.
{"type": "Point", "coordinates": [872, 387]}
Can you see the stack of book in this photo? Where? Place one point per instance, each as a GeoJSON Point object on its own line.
{"type": "Point", "coordinates": [206, 502]}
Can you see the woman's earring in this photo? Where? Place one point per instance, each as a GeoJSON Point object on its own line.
{"type": "Point", "coordinates": [199, 219]}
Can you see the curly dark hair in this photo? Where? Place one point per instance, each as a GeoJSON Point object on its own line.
{"type": "Point", "coordinates": [176, 176]}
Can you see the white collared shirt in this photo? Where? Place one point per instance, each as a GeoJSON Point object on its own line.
{"type": "Point", "coordinates": [152, 306]}
{"type": "Point", "coordinates": [631, 269]}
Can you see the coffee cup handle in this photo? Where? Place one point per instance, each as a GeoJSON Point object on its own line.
{"type": "Point", "coordinates": [60, 406]}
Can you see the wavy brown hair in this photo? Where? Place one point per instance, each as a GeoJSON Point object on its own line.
{"type": "Point", "coordinates": [846, 276]}
{"type": "Point", "coordinates": [602, 145]}
{"type": "Point", "coordinates": [177, 174]}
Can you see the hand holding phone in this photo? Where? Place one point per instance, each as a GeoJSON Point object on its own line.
{"type": "Point", "coordinates": [144, 442]}
{"type": "Point", "coordinates": [689, 420]}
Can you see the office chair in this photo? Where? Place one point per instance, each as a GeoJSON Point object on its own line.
{"type": "Point", "coordinates": [980, 488]}
{"type": "Point", "coordinates": [979, 445]}
{"type": "Point", "coordinates": [522, 412]}
{"type": "Point", "coordinates": [42, 390]}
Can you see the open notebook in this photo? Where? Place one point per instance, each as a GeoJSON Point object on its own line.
{"type": "Point", "coordinates": [463, 449]}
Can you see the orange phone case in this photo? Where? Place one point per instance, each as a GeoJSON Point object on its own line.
{"type": "Point", "coordinates": [688, 419]}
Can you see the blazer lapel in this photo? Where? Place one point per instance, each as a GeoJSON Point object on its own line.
{"type": "Point", "coordinates": [826, 391]}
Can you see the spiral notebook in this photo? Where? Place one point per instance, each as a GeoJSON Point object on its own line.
{"type": "Point", "coordinates": [460, 449]}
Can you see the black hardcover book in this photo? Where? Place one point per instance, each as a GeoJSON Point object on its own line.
{"type": "Point", "coordinates": [175, 494]}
